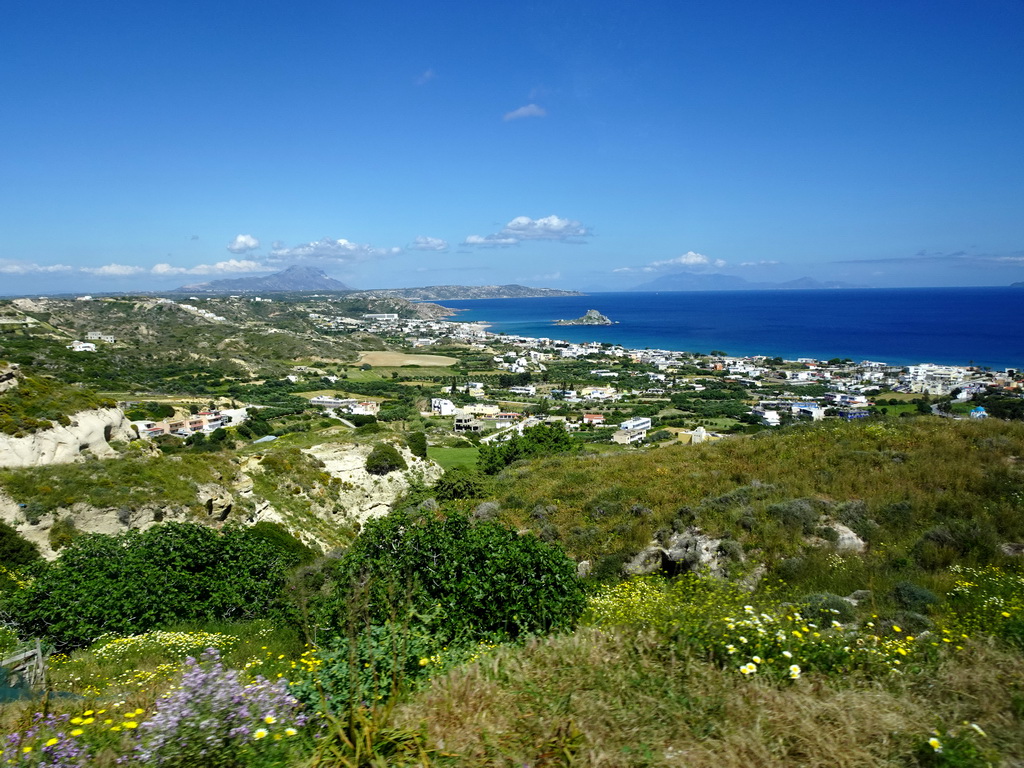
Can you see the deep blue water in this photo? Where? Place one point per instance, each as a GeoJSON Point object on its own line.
{"type": "Point", "coordinates": [955, 326]}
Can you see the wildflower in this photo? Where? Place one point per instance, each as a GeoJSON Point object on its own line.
{"type": "Point", "coordinates": [269, 719]}
{"type": "Point", "coordinates": [787, 654]}
{"type": "Point", "coordinates": [424, 662]}
{"type": "Point", "coordinates": [896, 629]}
{"type": "Point", "coordinates": [260, 734]}
{"type": "Point", "coordinates": [1006, 615]}
{"type": "Point", "coordinates": [977, 727]}
{"type": "Point", "coordinates": [748, 669]}
{"type": "Point", "coordinates": [730, 648]}
{"type": "Point", "coordinates": [794, 671]}
{"type": "Point", "coordinates": [52, 741]}
{"type": "Point", "coordinates": [756, 659]}
{"type": "Point", "coordinates": [26, 750]}
{"type": "Point", "coordinates": [129, 724]}
{"type": "Point", "coordinates": [290, 732]}
{"type": "Point", "coordinates": [935, 744]}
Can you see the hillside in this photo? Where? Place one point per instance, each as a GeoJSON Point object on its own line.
{"type": "Point", "coordinates": [293, 278]}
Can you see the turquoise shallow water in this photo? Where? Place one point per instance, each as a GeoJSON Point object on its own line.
{"type": "Point", "coordinates": [955, 326]}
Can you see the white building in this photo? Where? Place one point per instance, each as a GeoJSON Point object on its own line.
{"type": "Point", "coordinates": [440, 406]}
{"type": "Point", "coordinates": [637, 422]}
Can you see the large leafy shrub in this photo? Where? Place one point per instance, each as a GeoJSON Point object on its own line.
{"type": "Point", "coordinates": [484, 578]}
{"type": "Point", "coordinates": [138, 581]}
{"type": "Point", "coordinates": [384, 458]}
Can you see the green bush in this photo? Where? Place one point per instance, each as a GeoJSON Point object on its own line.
{"type": "Point", "coordinates": [484, 579]}
{"type": "Point", "coordinates": [138, 581]}
{"type": "Point", "coordinates": [417, 442]}
{"type": "Point", "coordinates": [384, 458]}
{"type": "Point", "coordinates": [15, 550]}
{"type": "Point", "coordinates": [459, 483]}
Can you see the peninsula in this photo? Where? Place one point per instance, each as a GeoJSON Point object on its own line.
{"type": "Point", "coordinates": [593, 317]}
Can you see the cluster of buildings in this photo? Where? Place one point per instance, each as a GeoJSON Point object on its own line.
{"type": "Point", "coordinates": [204, 421]}
{"type": "Point", "coordinates": [346, 405]}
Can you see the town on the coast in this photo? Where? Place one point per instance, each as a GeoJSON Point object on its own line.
{"type": "Point", "coordinates": [625, 396]}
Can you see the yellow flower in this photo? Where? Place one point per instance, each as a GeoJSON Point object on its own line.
{"type": "Point", "coordinates": [269, 719]}
{"type": "Point", "coordinates": [260, 734]}
{"type": "Point", "coordinates": [77, 732]}
{"type": "Point", "coordinates": [424, 662]}
{"type": "Point", "coordinates": [290, 731]}
{"type": "Point", "coordinates": [129, 724]}
{"type": "Point", "coordinates": [896, 629]}
{"type": "Point", "coordinates": [26, 750]}
{"type": "Point", "coordinates": [1006, 615]}
{"type": "Point", "coordinates": [935, 744]}
{"type": "Point", "coordinates": [52, 741]}
{"type": "Point", "coordinates": [794, 671]}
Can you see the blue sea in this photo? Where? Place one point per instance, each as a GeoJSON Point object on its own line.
{"type": "Point", "coordinates": [954, 326]}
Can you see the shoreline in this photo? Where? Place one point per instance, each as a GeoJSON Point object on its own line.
{"type": "Point", "coordinates": [910, 327]}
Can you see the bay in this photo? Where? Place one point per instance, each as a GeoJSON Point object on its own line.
{"type": "Point", "coordinates": [952, 326]}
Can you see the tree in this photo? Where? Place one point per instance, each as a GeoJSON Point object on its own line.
{"type": "Point", "coordinates": [541, 440]}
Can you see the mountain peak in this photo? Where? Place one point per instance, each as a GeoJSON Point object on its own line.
{"type": "Point", "coordinates": [294, 278]}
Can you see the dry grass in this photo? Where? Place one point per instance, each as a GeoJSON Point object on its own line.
{"type": "Point", "coordinates": [397, 359]}
{"type": "Point", "coordinates": [602, 699]}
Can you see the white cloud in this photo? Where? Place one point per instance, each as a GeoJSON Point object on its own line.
{"type": "Point", "coordinates": [221, 267]}
{"type": "Point", "coordinates": [689, 259]}
{"type": "Point", "coordinates": [426, 77]}
{"type": "Point", "coordinates": [115, 270]}
{"type": "Point", "coordinates": [524, 228]}
{"type": "Point", "coordinates": [329, 249]}
{"type": "Point", "coordinates": [25, 268]}
{"type": "Point", "coordinates": [762, 263]}
{"type": "Point", "coordinates": [424, 243]}
{"type": "Point", "coordinates": [243, 244]}
{"type": "Point", "coordinates": [530, 110]}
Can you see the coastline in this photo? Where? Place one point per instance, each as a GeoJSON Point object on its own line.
{"type": "Point", "coordinates": [964, 327]}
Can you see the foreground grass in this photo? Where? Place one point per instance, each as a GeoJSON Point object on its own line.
{"type": "Point", "coordinates": [628, 699]}
{"type": "Point", "coordinates": [453, 457]}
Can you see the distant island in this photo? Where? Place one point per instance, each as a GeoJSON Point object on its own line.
{"type": "Point", "coordinates": [593, 317]}
{"type": "Point", "coordinates": [292, 279]}
{"type": "Point", "coordinates": [688, 281]}
{"type": "Point", "coordinates": [457, 292]}
{"type": "Point", "coordinates": [304, 279]}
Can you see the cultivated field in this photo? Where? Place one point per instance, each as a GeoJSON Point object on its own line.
{"type": "Point", "coordinates": [398, 359]}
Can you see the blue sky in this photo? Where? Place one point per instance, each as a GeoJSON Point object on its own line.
{"type": "Point", "coordinates": [592, 145]}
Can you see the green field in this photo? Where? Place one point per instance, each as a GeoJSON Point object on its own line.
{"type": "Point", "coordinates": [453, 457]}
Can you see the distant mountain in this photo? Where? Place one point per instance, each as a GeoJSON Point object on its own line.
{"type": "Point", "coordinates": [455, 292]}
{"type": "Point", "coordinates": [292, 279]}
{"type": "Point", "coordinates": [687, 281]}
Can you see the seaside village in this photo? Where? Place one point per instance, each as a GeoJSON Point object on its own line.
{"type": "Point", "coordinates": [615, 402]}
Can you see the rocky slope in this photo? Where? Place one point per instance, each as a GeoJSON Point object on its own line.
{"type": "Point", "coordinates": [88, 431]}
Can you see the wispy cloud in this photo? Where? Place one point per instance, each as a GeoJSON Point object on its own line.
{"type": "Point", "coordinates": [426, 77]}
{"type": "Point", "coordinates": [424, 243]}
{"type": "Point", "coordinates": [115, 270]}
{"type": "Point", "coordinates": [243, 244]}
{"type": "Point", "coordinates": [530, 110]}
{"type": "Point", "coordinates": [329, 249]}
{"type": "Point", "coordinates": [8, 267]}
{"type": "Point", "coordinates": [964, 258]}
{"type": "Point", "coordinates": [220, 268]}
{"type": "Point", "coordinates": [524, 228]}
{"type": "Point", "coordinates": [762, 263]}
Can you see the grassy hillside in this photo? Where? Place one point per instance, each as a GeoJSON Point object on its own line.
{"type": "Point", "coordinates": [927, 491]}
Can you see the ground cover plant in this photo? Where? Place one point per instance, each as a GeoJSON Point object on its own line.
{"type": "Point", "coordinates": [907, 653]}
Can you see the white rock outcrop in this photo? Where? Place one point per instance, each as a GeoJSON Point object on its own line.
{"type": "Point", "coordinates": [364, 495]}
{"type": "Point", "coordinates": [89, 431]}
